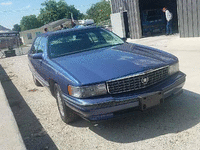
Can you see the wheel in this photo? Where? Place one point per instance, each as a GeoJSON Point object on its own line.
{"type": "Point", "coordinates": [66, 114]}
{"type": "Point", "coordinates": [37, 83]}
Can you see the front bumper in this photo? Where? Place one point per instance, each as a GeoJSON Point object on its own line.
{"type": "Point", "coordinates": [110, 106]}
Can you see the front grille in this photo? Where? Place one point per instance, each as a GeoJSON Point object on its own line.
{"type": "Point", "coordinates": [137, 82]}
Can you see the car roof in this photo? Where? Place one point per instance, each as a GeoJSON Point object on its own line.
{"type": "Point", "coordinates": [49, 34]}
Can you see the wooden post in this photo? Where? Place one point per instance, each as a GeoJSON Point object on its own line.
{"type": "Point", "coordinates": [195, 17]}
{"type": "Point", "coordinates": [198, 20]}
{"type": "Point", "coordinates": [180, 18]}
{"type": "Point", "coordinates": [134, 19]}
{"type": "Point", "coordinates": [189, 18]}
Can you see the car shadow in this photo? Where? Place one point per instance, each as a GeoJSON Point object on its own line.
{"type": "Point", "coordinates": [33, 134]}
{"type": "Point", "coordinates": [175, 115]}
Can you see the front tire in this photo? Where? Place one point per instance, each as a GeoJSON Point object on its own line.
{"type": "Point", "coordinates": [66, 114]}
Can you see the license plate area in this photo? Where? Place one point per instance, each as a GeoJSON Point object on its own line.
{"type": "Point", "coordinates": [150, 100]}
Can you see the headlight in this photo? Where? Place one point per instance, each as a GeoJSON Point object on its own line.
{"type": "Point", "coordinates": [87, 91]}
{"type": "Point", "coordinates": [173, 68]}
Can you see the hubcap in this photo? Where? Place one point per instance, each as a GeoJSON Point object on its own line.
{"type": "Point", "coordinates": [60, 105]}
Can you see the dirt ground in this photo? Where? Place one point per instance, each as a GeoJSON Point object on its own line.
{"type": "Point", "coordinates": [172, 125]}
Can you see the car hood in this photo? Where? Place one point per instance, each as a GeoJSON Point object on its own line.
{"type": "Point", "coordinates": [113, 62]}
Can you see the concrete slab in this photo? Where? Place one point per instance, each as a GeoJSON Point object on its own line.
{"type": "Point", "coordinates": [169, 43]}
{"type": "Point", "coordinates": [10, 137]}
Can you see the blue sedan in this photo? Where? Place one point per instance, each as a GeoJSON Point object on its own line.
{"type": "Point", "coordinates": [94, 74]}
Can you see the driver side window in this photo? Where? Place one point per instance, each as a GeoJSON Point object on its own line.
{"type": "Point", "coordinates": [42, 45]}
{"type": "Point", "coordinates": [35, 46]}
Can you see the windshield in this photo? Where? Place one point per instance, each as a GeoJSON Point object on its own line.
{"type": "Point", "coordinates": [79, 41]}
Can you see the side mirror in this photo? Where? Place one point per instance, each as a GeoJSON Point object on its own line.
{"type": "Point", "coordinates": [124, 39]}
{"type": "Point", "coordinates": [38, 56]}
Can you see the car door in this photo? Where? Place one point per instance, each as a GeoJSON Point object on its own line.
{"type": "Point", "coordinates": [33, 63]}
{"type": "Point", "coordinates": [41, 63]}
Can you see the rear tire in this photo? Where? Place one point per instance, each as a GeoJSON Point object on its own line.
{"type": "Point", "coordinates": [37, 83]}
{"type": "Point", "coordinates": [66, 114]}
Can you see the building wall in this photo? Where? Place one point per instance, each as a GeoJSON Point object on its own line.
{"type": "Point", "coordinates": [28, 36]}
{"type": "Point", "coordinates": [132, 8]}
{"type": "Point", "coordinates": [27, 39]}
{"type": "Point", "coordinates": [189, 18]}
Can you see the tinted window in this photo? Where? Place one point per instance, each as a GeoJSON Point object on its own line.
{"type": "Point", "coordinates": [107, 37]}
{"type": "Point", "coordinates": [42, 45]}
{"type": "Point", "coordinates": [154, 15]}
{"type": "Point", "coordinates": [79, 41]}
{"type": "Point", "coordinates": [35, 45]}
{"type": "Point", "coordinates": [93, 37]}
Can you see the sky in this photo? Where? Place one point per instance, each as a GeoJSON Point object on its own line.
{"type": "Point", "coordinates": [12, 11]}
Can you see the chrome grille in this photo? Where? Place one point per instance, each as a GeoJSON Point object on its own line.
{"type": "Point", "coordinates": [137, 82]}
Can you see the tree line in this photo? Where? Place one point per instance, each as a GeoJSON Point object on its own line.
{"type": "Point", "coordinates": [52, 11]}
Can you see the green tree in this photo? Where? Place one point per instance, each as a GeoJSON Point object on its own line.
{"type": "Point", "coordinates": [29, 22]}
{"type": "Point", "coordinates": [53, 11]}
{"type": "Point", "coordinates": [99, 12]}
{"type": "Point", "coordinates": [16, 27]}
{"type": "Point", "coordinates": [76, 13]}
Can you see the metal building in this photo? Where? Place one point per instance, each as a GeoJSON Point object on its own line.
{"type": "Point", "coordinates": [186, 15]}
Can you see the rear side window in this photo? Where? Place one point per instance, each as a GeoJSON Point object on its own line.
{"type": "Point", "coordinates": [154, 15]}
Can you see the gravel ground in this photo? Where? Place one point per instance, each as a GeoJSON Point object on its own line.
{"type": "Point", "coordinates": [172, 125]}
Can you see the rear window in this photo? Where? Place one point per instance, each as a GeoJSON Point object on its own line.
{"type": "Point", "coordinates": [154, 15]}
